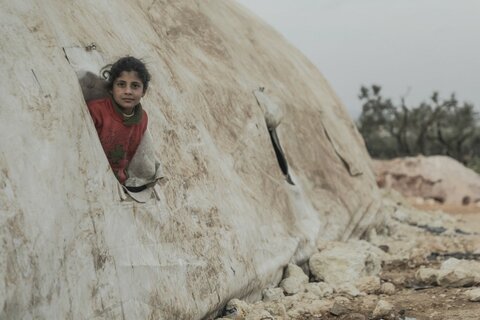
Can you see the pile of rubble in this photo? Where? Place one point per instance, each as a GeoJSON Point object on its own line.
{"type": "Point", "coordinates": [434, 180]}
{"type": "Point", "coordinates": [353, 279]}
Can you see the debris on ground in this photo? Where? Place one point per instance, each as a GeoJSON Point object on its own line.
{"type": "Point", "coordinates": [416, 266]}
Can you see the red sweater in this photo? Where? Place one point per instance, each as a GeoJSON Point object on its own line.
{"type": "Point", "coordinates": [120, 138]}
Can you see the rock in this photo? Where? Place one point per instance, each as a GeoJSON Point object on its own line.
{"type": "Point", "coordinates": [309, 309]}
{"type": "Point", "coordinates": [338, 309]}
{"type": "Point", "coordinates": [322, 245]}
{"type": "Point", "coordinates": [426, 275]}
{"type": "Point", "coordinates": [294, 279]}
{"type": "Point", "coordinates": [473, 295]}
{"type": "Point", "coordinates": [459, 273]}
{"type": "Point", "coordinates": [455, 278]}
{"type": "Point", "coordinates": [305, 296]}
{"type": "Point", "coordinates": [320, 289]}
{"type": "Point", "coordinates": [346, 262]}
{"type": "Point", "coordinates": [294, 271]}
{"type": "Point", "coordinates": [388, 288]}
{"type": "Point", "coordinates": [369, 302]}
{"type": "Point", "coordinates": [272, 294]}
{"type": "Point", "coordinates": [341, 300]}
{"type": "Point", "coordinates": [369, 284]}
{"type": "Point", "coordinates": [348, 289]}
{"type": "Point", "coordinates": [382, 309]}
{"type": "Point", "coordinates": [291, 286]}
{"type": "Point", "coordinates": [313, 288]}
{"type": "Point", "coordinates": [399, 280]}
{"type": "Point", "coordinates": [276, 309]}
{"type": "Point", "coordinates": [418, 256]}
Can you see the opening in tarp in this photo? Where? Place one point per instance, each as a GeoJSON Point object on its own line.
{"type": "Point", "coordinates": [144, 169]}
{"type": "Point", "coordinates": [273, 117]}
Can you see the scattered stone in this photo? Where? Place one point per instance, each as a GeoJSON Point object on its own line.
{"type": "Point", "coordinates": [426, 275]}
{"type": "Point", "coordinates": [320, 289]}
{"type": "Point", "coordinates": [350, 275]}
{"type": "Point", "coordinates": [388, 288]}
{"type": "Point", "coordinates": [345, 262]}
{"type": "Point", "coordinates": [473, 295]}
{"type": "Point", "coordinates": [294, 271]}
{"type": "Point", "coordinates": [368, 284]}
{"type": "Point", "coordinates": [294, 279]}
{"type": "Point", "coordinates": [291, 285]}
{"type": "Point", "coordinates": [348, 289]}
{"type": "Point", "coordinates": [276, 309]}
{"type": "Point", "coordinates": [382, 309]}
{"type": "Point", "coordinates": [398, 280]}
{"type": "Point", "coordinates": [272, 294]}
{"type": "Point", "coordinates": [341, 300]}
{"type": "Point", "coordinates": [339, 309]}
{"type": "Point", "coordinates": [418, 256]}
{"type": "Point", "coordinates": [455, 278]}
{"type": "Point", "coordinates": [322, 244]}
{"type": "Point", "coordinates": [369, 302]}
{"type": "Point", "coordinates": [309, 309]}
{"type": "Point", "coordinates": [459, 273]}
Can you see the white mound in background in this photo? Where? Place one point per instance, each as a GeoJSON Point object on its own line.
{"type": "Point", "coordinates": [440, 178]}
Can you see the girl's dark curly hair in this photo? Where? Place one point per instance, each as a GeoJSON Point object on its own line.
{"type": "Point", "coordinates": [112, 71]}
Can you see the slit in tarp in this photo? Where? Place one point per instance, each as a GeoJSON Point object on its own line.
{"type": "Point", "coordinates": [273, 116]}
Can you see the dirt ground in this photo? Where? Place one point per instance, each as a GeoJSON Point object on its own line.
{"type": "Point", "coordinates": [435, 302]}
{"type": "Point", "coordinates": [414, 302]}
{"type": "Point", "coordinates": [469, 216]}
{"type": "Point", "coordinates": [411, 300]}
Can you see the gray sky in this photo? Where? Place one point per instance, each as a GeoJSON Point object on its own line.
{"type": "Point", "coordinates": [409, 47]}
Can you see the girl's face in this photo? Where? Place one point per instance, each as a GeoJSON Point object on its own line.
{"type": "Point", "coordinates": [127, 91]}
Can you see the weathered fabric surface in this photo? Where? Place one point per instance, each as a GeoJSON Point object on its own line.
{"type": "Point", "coordinates": [227, 222]}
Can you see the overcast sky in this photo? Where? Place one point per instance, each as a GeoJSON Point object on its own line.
{"type": "Point", "coordinates": [409, 47]}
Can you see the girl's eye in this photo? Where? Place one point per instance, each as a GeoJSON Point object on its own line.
{"type": "Point", "coordinates": [120, 84]}
{"type": "Point", "coordinates": [135, 85]}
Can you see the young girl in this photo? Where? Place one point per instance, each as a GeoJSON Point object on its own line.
{"type": "Point", "coordinates": [119, 119]}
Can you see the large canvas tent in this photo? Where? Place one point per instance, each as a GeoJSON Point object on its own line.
{"type": "Point", "coordinates": [226, 222]}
